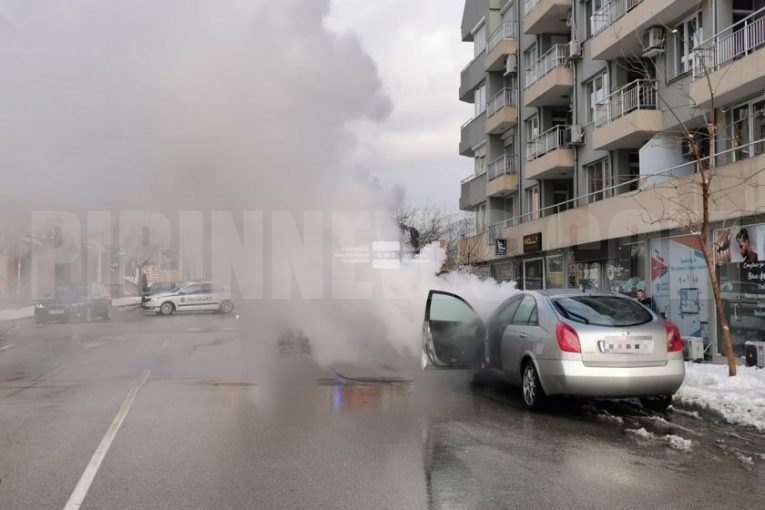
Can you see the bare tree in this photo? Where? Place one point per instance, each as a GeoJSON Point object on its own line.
{"type": "Point", "coordinates": [687, 199]}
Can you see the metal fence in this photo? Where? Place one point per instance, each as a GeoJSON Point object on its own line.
{"type": "Point", "coordinates": [555, 138]}
{"type": "Point", "coordinates": [503, 165]}
{"type": "Point", "coordinates": [734, 42]}
{"type": "Point", "coordinates": [554, 57]}
{"type": "Point", "coordinates": [506, 30]}
{"type": "Point", "coordinates": [636, 95]}
{"type": "Point", "coordinates": [504, 97]}
{"type": "Point", "coordinates": [609, 13]}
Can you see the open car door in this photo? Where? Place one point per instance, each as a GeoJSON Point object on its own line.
{"type": "Point", "coordinates": [452, 333]}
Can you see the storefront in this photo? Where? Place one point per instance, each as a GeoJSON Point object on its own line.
{"type": "Point", "coordinates": [617, 265]}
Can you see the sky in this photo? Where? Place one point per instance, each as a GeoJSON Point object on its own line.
{"type": "Point", "coordinates": [419, 55]}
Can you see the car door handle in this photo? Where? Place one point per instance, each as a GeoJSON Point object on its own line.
{"type": "Point", "coordinates": [523, 335]}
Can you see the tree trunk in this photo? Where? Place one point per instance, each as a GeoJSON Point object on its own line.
{"type": "Point", "coordinates": [722, 316]}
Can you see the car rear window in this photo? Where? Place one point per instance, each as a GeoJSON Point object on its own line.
{"type": "Point", "coordinates": [603, 310]}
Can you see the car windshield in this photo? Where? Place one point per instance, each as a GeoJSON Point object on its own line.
{"type": "Point", "coordinates": [69, 293]}
{"type": "Point", "coordinates": [603, 310]}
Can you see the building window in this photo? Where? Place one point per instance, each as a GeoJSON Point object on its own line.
{"type": "Point", "coordinates": [533, 204]}
{"type": "Point", "coordinates": [596, 90]}
{"type": "Point", "coordinates": [479, 41]}
{"type": "Point", "coordinates": [480, 100]}
{"type": "Point", "coordinates": [593, 25]}
{"type": "Point", "coordinates": [747, 129]}
{"type": "Point", "coordinates": [598, 180]}
{"type": "Point", "coordinates": [480, 219]}
{"type": "Point", "coordinates": [687, 36]}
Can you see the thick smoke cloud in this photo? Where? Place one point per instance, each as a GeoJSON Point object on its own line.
{"type": "Point", "coordinates": [202, 105]}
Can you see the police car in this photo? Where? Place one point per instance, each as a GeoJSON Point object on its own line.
{"type": "Point", "coordinates": [192, 297]}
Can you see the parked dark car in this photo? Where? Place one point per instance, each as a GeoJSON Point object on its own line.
{"type": "Point", "coordinates": [79, 302]}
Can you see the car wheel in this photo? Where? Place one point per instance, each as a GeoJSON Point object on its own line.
{"type": "Point", "coordinates": [534, 396]}
{"type": "Point", "coordinates": [658, 404]}
{"type": "Point", "coordinates": [226, 307]}
{"type": "Point", "coordinates": [108, 313]}
{"type": "Point", "coordinates": [167, 308]}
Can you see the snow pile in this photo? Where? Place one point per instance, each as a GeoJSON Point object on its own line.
{"type": "Point", "coordinates": [739, 400]}
{"type": "Point", "coordinates": [671, 440]}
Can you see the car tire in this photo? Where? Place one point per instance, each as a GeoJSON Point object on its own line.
{"type": "Point", "coordinates": [226, 307]}
{"type": "Point", "coordinates": [658, 404]}
{"type": "Point", "coordinates": [533, 395]}
{"type": "Point", "coordinates": [167, 308]}
{"type": "Point", "coordinates": [108, 313]}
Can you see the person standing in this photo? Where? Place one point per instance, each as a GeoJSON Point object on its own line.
{"type": "Point", "coordinates": [644, 300]}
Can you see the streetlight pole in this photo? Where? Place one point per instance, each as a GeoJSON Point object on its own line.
{"type": "Point", "coordinates": [18, 277]}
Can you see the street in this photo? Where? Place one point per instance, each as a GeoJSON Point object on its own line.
{"type": "Point", "coordinates": [200, 411]}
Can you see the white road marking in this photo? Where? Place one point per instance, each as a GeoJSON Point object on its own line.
{"type": "Point", "coordinates": [165, 344]}
{"type": "Point", "coordinates": [6, 347]}
{"type": "Point", "coordinates": [91, 345]}
{"type": "Point", "coordinates": [81, 490]}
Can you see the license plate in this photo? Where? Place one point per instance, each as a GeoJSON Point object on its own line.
{"type": "Point", "coordinates": [56, 312]}
{"type": "Point", "coordinates": [626, 345]}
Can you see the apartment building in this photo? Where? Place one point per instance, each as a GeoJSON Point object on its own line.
{"type": "Point", "coordinates": [589, 115]}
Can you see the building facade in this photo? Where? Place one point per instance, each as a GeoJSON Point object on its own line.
{"type": "Point", "coordinates": [591, 120]}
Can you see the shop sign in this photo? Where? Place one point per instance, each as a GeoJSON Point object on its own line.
{"type": "Point", "coordinates": [532, 243]}
{"type": "Point", "coordinates": [500, 247]}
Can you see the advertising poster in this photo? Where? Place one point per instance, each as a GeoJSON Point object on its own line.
{"type": "Point", "coordinates": [680, 284]}
{"type": "Point", "coordinates": [742, 281]}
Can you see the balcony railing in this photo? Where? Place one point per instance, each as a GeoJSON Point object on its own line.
{"type": "Point", "coordinates": [471, 177]}
{"type": "Point", "coordinates": [507, 30]}
{"type": "Point", "coordinates": [505, 97]}
{"type": "Point", "coordinates": [529, 5]}
{"type": "Point", "coordinates": [732, 43]}
{"type": "Point", "coordinates": [554, 57]}
{"type": "Point", "coordinates": [636, 95]}
{"type": "Point", "coordinates": [495, 229]}
{"type": "Point", "coordinates": [556, 138]}
{"type": "Point", "coordinates": [609, 13]}
{"type": "Point", "coordinates": [503, 165]}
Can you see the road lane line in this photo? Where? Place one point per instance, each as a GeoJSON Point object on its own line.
{"type": "Point", "coordinates": [6, 347]}
{"type": "Point", "coordinates": [91, 345]}
{"type": "Point", "coordinates": [81, 490]}
{"type": "Point", "coordinates": [165, 344]}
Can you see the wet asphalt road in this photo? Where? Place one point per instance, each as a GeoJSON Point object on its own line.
{"type": "Point", "coordinates": [226, 419]}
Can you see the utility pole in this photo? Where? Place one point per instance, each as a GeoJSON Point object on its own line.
{"type": "Point", "coordinates": [18, 277]}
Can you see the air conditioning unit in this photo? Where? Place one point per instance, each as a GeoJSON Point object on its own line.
{"type": "Point", "coordinates": [693, 348]}
{"type": "Point", "coordinates": [577, 134]}
{"type": "Point", "coordinates": [511, 64]}
{"type": "Point", "coordinates": [755, 353]}
{"type": "Point", "coordinates": [653, 42]}
{"type": "Point", "coordinates": [574, 49]}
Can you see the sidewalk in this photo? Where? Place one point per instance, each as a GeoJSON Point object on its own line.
{"type": "Point", "coordinates": [27, 312]}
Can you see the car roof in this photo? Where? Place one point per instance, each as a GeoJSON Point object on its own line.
{"type": "Point", "coordinates": [569, 292]}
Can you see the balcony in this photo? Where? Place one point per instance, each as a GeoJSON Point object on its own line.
{"type": "Point", "coordinates": [549, 156]}
{"type": "Point", "coordinates": [734, 61]}
{"type": "Point", "coordinates": [471, 77]}
{"type": "Point", "coordinates": [546, 16]}
{"type": "Point", "coordinates": [501, 43]}
{"type": "Point", "coordinates": [549, 80]}
{"type": "Point", "coordinates": [502, 177]}
{"type": "Point", "coordinates": [472, 133]}
{"type": "Point", "coordinates": [628, 117]}
{"type": "Point", "coordinates": [618, 26]}
{"type": "Point", "coordinates": [473, 192]}
{"type": "Point", "coordinates": [501, 112]}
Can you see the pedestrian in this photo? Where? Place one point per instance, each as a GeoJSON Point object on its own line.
{"type": "Point", "coordinates": [644, 300]}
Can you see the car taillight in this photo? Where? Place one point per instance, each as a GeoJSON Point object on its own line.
{"type": "Point", "coordinates": [674, 340]}
{"type": "Point", "coordinates": [568, 340]}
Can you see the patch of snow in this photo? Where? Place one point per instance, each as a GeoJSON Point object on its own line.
{"type": "Point", "coordinates": [744, 459]}
{"type": "Point", "coordinates": [739, 400]}
{"type": "Point", "coordinates": [691, 414]}
{"type": "Point", "coordinates": [609, 418]}
{"type": "Point", "coordinates": [671, 440]}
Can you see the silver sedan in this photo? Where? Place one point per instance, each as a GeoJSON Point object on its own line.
{"type": "Point", "coordinates": [560, 342]}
